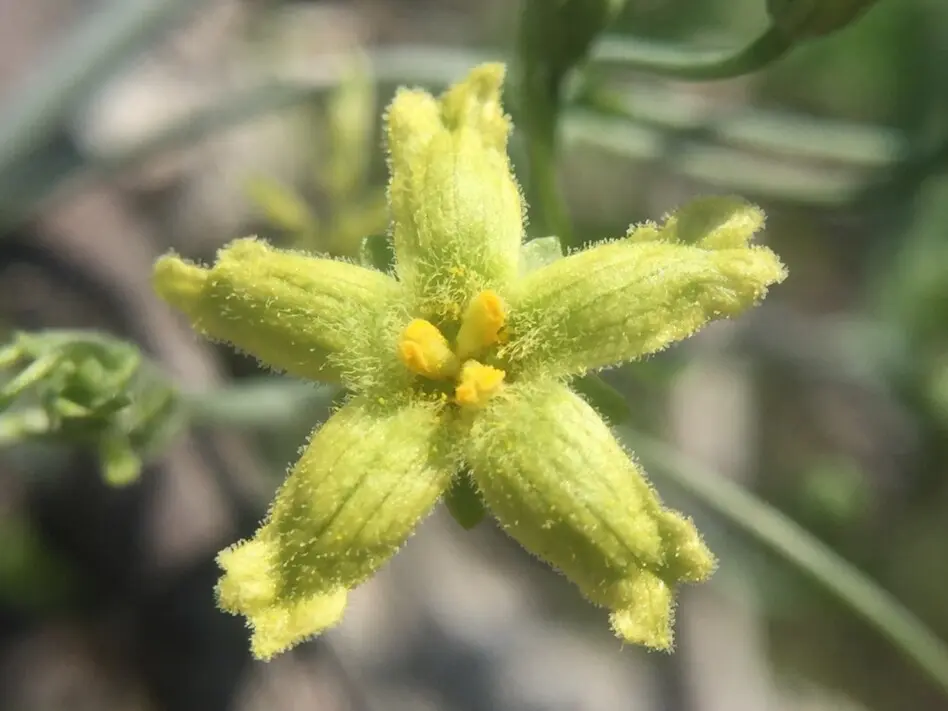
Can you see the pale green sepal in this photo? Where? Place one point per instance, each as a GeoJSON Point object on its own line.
{"type": "Point", "coordinates": [291, 311]}
{"type": "Point", "coordinates": [554, 475]}
{"type": "Point", "coordinates": [539, 252]}
{"type": "Point", "coordinates": [249, 587]}
{"type": "Point", "coordinates": [456, 209]}
{"type": "Point", "coordinates": [362, 484]}
{"type": "Point", "coordinates": [626, 299]}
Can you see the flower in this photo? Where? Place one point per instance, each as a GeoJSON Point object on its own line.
{"type": "Point", "coordinates": [457, 365]}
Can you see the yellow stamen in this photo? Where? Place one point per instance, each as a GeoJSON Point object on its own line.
{"type": "Point", "coordinates": [482, 324]}
{"type": "Point", "coordinates": [425, 351]}
{"type": "Point", "coordinates": [478, 383]}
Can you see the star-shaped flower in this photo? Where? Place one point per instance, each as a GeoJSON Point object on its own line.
{"type": "Point", "coordinates": [458, 366]}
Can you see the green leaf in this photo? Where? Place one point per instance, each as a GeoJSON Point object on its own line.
{"type": "Point", "coordinates": [87, 389]}
{"type": "Point", "coordinates": [693, 64]}
{"type": "Point", "coordinates": [464, 502]}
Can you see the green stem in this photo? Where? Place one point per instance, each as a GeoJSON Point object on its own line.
{"type": "Point", "coordinates": [691, 65]}
{"type": "Point", "coordinates": [256, 402]}
{"type": "Point", "coordinates": [839, 577]}
{"type": "Point", "coordinates": [547, 195]}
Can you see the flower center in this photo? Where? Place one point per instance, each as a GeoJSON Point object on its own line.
{"type": "Point", "coordinates": [426, 352]}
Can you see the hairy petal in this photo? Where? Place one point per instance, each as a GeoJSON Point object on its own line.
{"type": "Point", "coordinates": [364, 481]}
{"type": "Point", "coordinates": [553, 474]}
{"type": "Point", "coordinates": [457, 214]}
{"type": "Point", "coordinates": [249, 587]}
{"type": "Point", "coordinates": [291, 311]}
{"type": "Point", "coordinates": [625, 299]}
{"type": "Point", "coordinates": [362, 484]}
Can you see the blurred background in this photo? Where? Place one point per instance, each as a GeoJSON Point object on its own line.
{"type": "Point", "coordinates": [129, 128]}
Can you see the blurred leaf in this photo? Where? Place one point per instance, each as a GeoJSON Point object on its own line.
{"type": "Point", "coordinates": [691, 64]}
{"type": "Point", "coordinates": [88, 389]}
{"type": "Point", "coordinates": [354, 219]}
{"type": "Point", "coordinates": [283, 207]}
{"type": "Point", "coordinates": [351, 117]}
{"type": "Point", "coordinates": [120, 465]}
{"type": "Point", "coordinates": [803, 19]}
{"type": "Point", "coordinates": [103, 44]}
{"type": "Point", "coordinates": [834, 489]}
{"type": "Point", "coordinates": [30, 575]}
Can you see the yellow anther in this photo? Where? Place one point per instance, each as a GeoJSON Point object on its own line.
{"type": "Point", "coordinates": [478, 383]}
{"type": "Point", "coordinates": [425, 351]}
{"type": "Point", "coordinates": [482, 324]}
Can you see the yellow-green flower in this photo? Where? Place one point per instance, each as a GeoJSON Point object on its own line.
{"type": "Point", "coordinates": [458, 365]}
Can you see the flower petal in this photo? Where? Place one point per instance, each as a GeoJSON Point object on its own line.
{"type": "Point", "coordinates": [456, 208]}
{"type": "Point", "coordinates": [249, 587]}
{"type": "Point", "coordinates": [623, 300]}
{"type": "Point", "coordinates": [365, 480]}
{"type": "Point", "coordinates": [363, 483]}
{"type": "Point", "coordinates": [291, 311]}
{"type": "Point", "coordinates": [558, 481]}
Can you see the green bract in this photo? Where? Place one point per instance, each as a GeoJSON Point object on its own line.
{"type": "Point", "coordinates": [458, 366]}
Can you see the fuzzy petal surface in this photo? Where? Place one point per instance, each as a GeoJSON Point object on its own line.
{"type": "Point", "coordinates": [249, 587]}
{"type": "Point", "coordinates": [457, 214]}
{"type": "Point", "coordinates": [291, 311]}
{"type": "Point", "coordinates": [364, 481]}
{"type": "Point", "coordinates": [555, 477]}
{"type": "Point", "coordinates": [626, 299]}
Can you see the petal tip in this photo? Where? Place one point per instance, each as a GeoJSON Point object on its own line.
{"type": "Point", "coordinates": [178, 282]}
